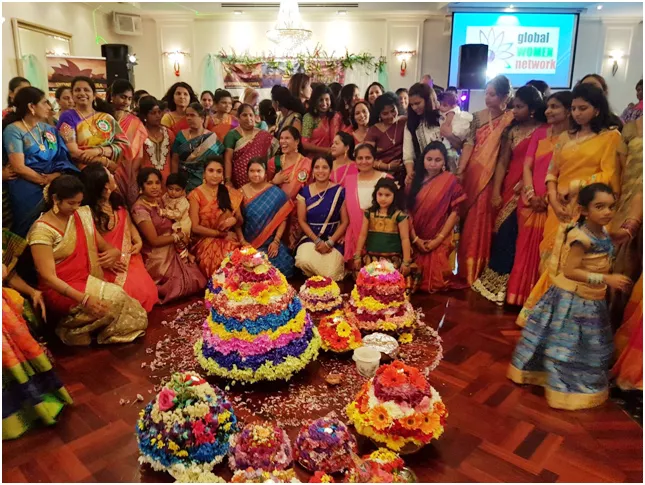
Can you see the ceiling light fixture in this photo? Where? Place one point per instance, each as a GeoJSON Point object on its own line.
{"type": "Point", "coordinates": [342, 12]}
{"type": "Point", "coordinates": [237, 12]}
{"type": "Point", "coordinates": [599, 7]}
{"type": "Point", "coordinates": [289, 31]}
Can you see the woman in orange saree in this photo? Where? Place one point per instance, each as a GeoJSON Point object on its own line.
{"type": "Point", "coordinates": [65, 246]}
{"type": "Point", "coordinates": [222, 121]}
{"type": "Point", "coordinates": [476, 169]}
{"type": "Point", "coordinates": [587, 154]}
{"type": "Point", "coordinates": [216, 218]}
{"type": "Point", "coordinates": [120, 96]}
{"type": "Point", "coordinates": [113, 222]}
{"type": "Point", "coordinates": [628, 369]}
{"type": "Point", "coordinates": [434, 199]}
{"type": "Point", "coordinates": [532, 206]}
{"type": "Point", "coordinates": [290, 171]}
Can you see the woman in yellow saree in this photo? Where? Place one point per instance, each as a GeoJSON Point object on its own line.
{"type": "Point", "coordinates": [587, 154]}
{"type": "Point", "coordinates": [476, 169]}
{"type": "Point", "coordinates": [120, 96]}
{"type": "Point", "coordinates": [90, 132]}
{"type": "Point", "coordinates": [69, 255]}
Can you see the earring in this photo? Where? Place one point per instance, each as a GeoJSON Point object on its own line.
{"type": "Point", "coordinates": [55, 209]}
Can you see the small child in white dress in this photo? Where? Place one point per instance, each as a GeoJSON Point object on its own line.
{"type": "Point", "coordinates": [177, 208]}
{"type": "Point", "coordinates": [457, 121]}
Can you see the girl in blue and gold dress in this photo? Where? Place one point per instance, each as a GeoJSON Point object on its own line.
{"type": "Point", "coordinates": [567, 344]}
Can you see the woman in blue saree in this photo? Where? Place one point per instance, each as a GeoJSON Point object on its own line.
{"type": "Point", "coordinates": [323, 218]}
{"type": "Point", "coordinates": [36, 153]}
{"type": "Point", "coordinates": [194, 146]}
{"type": "Point", "coordinates": [265, 210]}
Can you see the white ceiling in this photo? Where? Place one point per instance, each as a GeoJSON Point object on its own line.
{"type": "Point", "coordinates": [310, 9]}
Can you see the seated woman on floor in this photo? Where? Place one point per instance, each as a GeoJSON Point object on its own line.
{"type": "Point", "coordinates": [176, 276]}
{"type": "Point", "coordinates": [266, 211]}
{"type": "Point", "coordinates": [323, 218]}
{"type": "Point", "coordinates": [24, 363]}
{"type": "Point", "coordinates": [70, 255]}
{"type": "Point", "coordinates": [216, 218]}
{"type": "Point", "coordinates": [113, 222]}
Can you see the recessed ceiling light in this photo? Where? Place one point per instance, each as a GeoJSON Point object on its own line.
{"type": "Point", "coordinates": [510, 6]}
{"type": "Point", "coordinates": [342, 12]}
{"type": "Point", "coordinates": [237, 12]}
{"type": "Point", "coordinates": [599, 7]}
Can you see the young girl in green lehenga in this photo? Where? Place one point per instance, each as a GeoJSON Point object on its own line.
{"type": "Point", "coordinates": [385, 233]}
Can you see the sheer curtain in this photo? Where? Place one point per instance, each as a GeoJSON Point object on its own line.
{"type": "Point", "coordinates": [362, 77]}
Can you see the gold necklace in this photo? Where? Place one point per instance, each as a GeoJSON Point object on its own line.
{"type": "Point", "coordinates": [41, 143]}
{"type": "Point", "coordinates": [396, 127]}
{"type": "Point", "coordinates": [86, 118]}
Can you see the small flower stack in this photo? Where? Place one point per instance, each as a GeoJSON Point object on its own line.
{"type": "Point", "coordinates": [337, 334]}
{"type": "Point", "coordinates": [261, 446]}
{"type": "Point", "coordinates": [320, 296]}
{"type": "Point", "coordinates": [378, 301]}
{"type": "Point", "coordinates": [262, 476]}
{"type": "Point", "coordinates": [185, 430]}
{"type": "Point", "coordinates": [257, 328]}
{"type": "Point", "coordinates": [326, 445]}
{"type": "Point", "coordinates": [398, 408]}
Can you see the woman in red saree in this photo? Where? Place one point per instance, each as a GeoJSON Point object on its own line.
{"type": "Point", "coordinates": [321, 123]}
{"type": "Point", "coordinates": [69, 255]}
{"type": "Point", "coordinates": [342, 151]}
{"type": "Point", "coordinates": [157, 147]}
{"type": "Point", "coordinates": [476, 169]}
{"type": "Point", "coordinates": [528, 113]}
{"type": "Point", "coordinates": [113, 222]}
{"type": "Point", "coordinates": [120, 96]}
{"type": "Point", "coordinates": [290, 171]}
{"type": "Point", "coordinates": [434, 200]}
{"type": "Point", "coordinates": [215, 212]}
{"type": "Point", "coordinates": [532, 206]}
{"type": "Point", "coordinates": [244, 143]}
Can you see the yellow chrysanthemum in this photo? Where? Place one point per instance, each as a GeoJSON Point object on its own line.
{"type": "Point", "coordinates": [405, 338]}
{"type": "Point", "coordinates": [343, 329]}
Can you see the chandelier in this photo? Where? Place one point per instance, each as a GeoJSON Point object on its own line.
{"type": "Point", "coordinates": [289, 32]}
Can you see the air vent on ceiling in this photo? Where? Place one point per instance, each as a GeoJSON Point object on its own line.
{"type": "Point", "coordinates": [127, 24]}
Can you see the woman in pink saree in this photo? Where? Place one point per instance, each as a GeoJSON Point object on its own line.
{"type": "Point", "coordinates": [528, 113]}
{"type": "Point", "coordinates": [342, 150]}
{"type": "Point", "coordinates": [532, 206]}
{"type": "Point", "coordinates": [359, 188]}
{"type": "Point", "coordinates": [174, 276]}
{"type": "Point", "coordinates": [434, 199]}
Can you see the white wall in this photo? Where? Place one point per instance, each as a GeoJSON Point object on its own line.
{"type": "Point", "coordinates": [73, 18]}
{"type": "Point", "coordinates": [436, 51]}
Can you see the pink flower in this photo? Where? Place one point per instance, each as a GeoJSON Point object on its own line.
{"type": "Point", "coordinates": [198, 428]}
{"type": "Point", "coordinates": [166, 399]}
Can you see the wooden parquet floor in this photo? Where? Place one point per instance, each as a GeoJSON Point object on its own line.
{"type": "Point", "coordinates": [496, 432]}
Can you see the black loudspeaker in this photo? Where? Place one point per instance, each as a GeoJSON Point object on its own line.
{"type": "Point", "coordinates": [473, 61]}
{"type": "Point", "coordinates": [116, 62]}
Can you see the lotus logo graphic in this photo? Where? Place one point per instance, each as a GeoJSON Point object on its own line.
{"type": "Point", "coordinates": [498, 51]}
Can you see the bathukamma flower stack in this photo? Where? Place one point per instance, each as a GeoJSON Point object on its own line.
{"type": "Point", "coordinates": [320, 296]}
{"type": "Point", "coordinates": [378, 301]}
{"type": "Point", "coordinates": [257, 328]}
{"type": "Point", "coordinates": [398, 408]}
{"type": "Point", "coordinates": [186, 429]}
{"type": "Point", "coordinates": [325, 444]}
{"type": "Point", "coordinates": [260, 446]}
